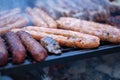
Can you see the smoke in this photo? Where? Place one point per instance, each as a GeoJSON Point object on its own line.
{"type": "Point", "coordinates": [10, 4]}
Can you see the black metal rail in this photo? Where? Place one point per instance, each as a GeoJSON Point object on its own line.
{"type": "Point", "coordinates": [68, 55]}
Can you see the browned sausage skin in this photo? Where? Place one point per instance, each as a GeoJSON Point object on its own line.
{"type": "Point", "coordinates": [88, 41]}
{"type": "Point", "coordinates": [36, 19]}
{"type": "Point", "coordinates": [3, 53]}
{"type": "Point", "coordinates": [10, 20]}
{"type": "Point", "coordinates": [16, 47]}
{"type": "Point", "coordinates": [37, 51]}
{"type": "Point", "coordinates": [103, 31]}
{"type": "Point", "coordinates": [49, 20]}
{"type": "Point", "coordinates": [12, 12]}
{"type": "Point", "coordinates": [63, 40]}
{"type": "Point", "coordinates": [18, 24]}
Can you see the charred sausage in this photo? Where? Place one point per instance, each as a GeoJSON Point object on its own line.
{"type": "Point", "coordinates": [16, 47]}
{"type": "Point", "coordinates": [37, 51]}
{"type": "Point", "coordinates": [51, 45]}
{"type": "Point", "coordinates": [3, 53]}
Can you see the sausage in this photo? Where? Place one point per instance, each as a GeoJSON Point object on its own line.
{"type": "Point", "coordinates": [58, 7]}
{"type": "Point", "coordinates": [66, 33]}
{"type": "Point", "coordinates": [115, 21]}
{"type": "Point", "coordinates": [104, 32]}
{"type": "Point", "coordinates": [51, 11]}
{"type": "Point", "coordinates": [18, 24]}
{"type": "Point", "coordinates": [37, 51]}
{"type": "Point", "coordinates": [4, 12]}
{"type": "Point", "coordinates": [3, 53]}
{"type": "Point", "coordinates": [9, 20]}
{"type": "Point", "coordinates": [49, 20]}
{"type": "Point", "coordinates": [51, 45]}
{"type": "Point", "coordinates": [10, 13]}
{"type": "Point", "coordinates": [38, 21]}
{"type": "Point", "coordinates": [16, 47]}
{"type": "Point", "coordinates": [62, 40]}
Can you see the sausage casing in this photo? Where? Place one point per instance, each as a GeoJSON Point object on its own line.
{"type": "Point", "coordinates": [3, 53]}
{"type": "Point", "coordinates": [67, 33]}
{"type": "Point", "coordinates": [10, 13]}
{"type": "Point", "coordinates": [38, 21]}
{"type": "Point", "coordinates": [49, 20]}
{"type": "Point", "coordinates": [37, 51]}
{"type": "Point", "coordinates": [10, 20]}
{"type": "Point", "coordinates": [16, 47]}
{"type": "Point", "coordinates": [104, 32]}
{"type": "Point", "coordinates": [62, 40]}
{"type": "Point", "coordinates": [18, 24]}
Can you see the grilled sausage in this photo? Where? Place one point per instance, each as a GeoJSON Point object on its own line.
{"type": "Point", "coordinates": [18, 24]}
{"type": "Point", "coordinates": [104, 32]}
{"type": "Point", "coordinates": [37, 51]}
{"type": "Point", "coordinates": [66, 33]}
{"type": "Point", "coordinates": [49, 20]}
{"type": "Point", "coordinates": [38, 21]}
{"type": "Point", "coordinates": [51, 45]}
{"type": "Point", "coordinates": [10, 13]}
{"type": "Point", "coordinates": [3, 53]}
{"type": "Point", "coordinates": [115, 21]}
{"type": "Point", "coordinates": [10, 20]}
{"type": "Point", "coordinates": [58, 7]}
{"type": "Point", "coordinates": [50, 11]}
{"type": "Point", "coordinates": [16, 47]}
{"type": "Point", "coordinates": [64, 41]}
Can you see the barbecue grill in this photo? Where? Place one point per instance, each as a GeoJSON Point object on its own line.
{"type": "Point", "coordinates": [68, 54]}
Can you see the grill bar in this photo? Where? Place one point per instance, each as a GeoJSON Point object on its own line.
{"type": "Point", "coordinates": [69, 56]}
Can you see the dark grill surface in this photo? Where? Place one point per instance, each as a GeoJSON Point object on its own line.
{"type": "Point", "coordinates": [69, 54]}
